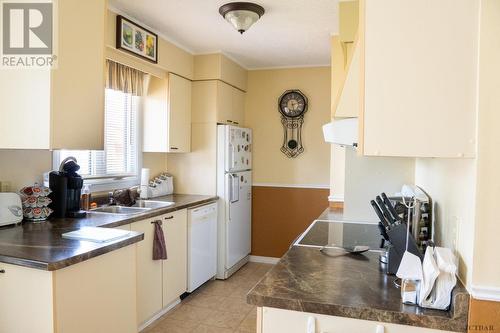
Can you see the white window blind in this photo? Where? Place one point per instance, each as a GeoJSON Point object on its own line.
{"type": "Point", "coordinates": [119, 158]}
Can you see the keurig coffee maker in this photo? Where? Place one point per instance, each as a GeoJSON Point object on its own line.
{"type": "Point", "coordinates": [66, 186]}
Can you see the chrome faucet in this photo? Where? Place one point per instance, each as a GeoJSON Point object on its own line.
{"type": "Point", "coordinates": [111, 199]}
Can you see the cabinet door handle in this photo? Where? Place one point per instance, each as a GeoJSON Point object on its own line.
{"type": "Point", "coordinates": [229, 121]}
{"type": "Point", "coordinates": [169, 217]}
{"type": "Point", "coordinates": [311, 325]}
{"type": "Point", "coordinates": [2, 271]}
{"type": "Point", "coordinates": [156, 221]}
{"type": "Point", "coordinates": [174, 148]}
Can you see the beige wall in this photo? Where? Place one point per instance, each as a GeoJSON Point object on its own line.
{"type": "Point", "coordinates": [156, 162]}
{"type": "Point", "coordinates": [451, 185]}
{"type": "Point", "coordinates": [337, 173]}
{"type": "Point", "coordinates": [170, 57]}
{"type": "Point", "coordinates": [270, 165]}
{"type": "Point", "coordinates": [486, 269]}
{"type": "Point", "coordinates": [23, 167]}
{"type": "Point", "coordinates": [366, 177]}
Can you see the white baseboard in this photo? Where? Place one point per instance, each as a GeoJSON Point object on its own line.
{"type": "Point", "coordinates": [485, 293]}
{"type": "Point", "coordinates": [264, 260]}
{"type": "Point", "coordinates": [158, 315]}
{"type": "Point", "coordinates": [336, 198]}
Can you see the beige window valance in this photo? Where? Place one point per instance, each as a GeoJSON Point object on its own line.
{"type": "Point", "coordinates": [124, 78]}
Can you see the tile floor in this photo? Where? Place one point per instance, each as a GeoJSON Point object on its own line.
{"type": "Point", "coordinates": [217, 306]}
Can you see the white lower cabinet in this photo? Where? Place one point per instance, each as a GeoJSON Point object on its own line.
{"type": "Point", "coordinates": [97, 295]}
{"type": "Point", "coordinates": [25, 293]}
{"type": "Point", "coordinates": [115, 292]}
{"type": "Point", "coordinates": [175, 267]}
{"type": "Point", "coordinates": [149, 273]}
{"type": "Point", "coordinates": [271, 320]}
{"type": "Point", "coordinates": [161, 282]}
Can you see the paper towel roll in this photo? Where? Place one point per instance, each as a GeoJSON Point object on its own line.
{"type": "Point", "coordinates": [144, 183]}
{"type": "Point", "coordinates": [145, 176]}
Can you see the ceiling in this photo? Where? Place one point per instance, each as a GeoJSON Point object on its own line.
{"type": "Point", "coordinates": [292, 33]}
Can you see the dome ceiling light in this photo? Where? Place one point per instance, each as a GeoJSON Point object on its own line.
{"type": "Point", "coordinates": [241, 15]}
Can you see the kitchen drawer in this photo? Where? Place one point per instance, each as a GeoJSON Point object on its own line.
{"type": "Point", "coordinates": [286, 321]}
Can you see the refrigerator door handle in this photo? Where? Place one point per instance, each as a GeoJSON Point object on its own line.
{"type": "Point", "coordinates": [230, 185]}
{"type": "Point", "coordinates": [234, 188]}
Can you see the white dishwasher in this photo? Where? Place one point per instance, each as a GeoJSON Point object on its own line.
{"type": "Point", "coordinates": [202, 245]}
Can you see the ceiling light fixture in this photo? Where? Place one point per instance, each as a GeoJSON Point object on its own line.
{"type": "Point", "coordinates": [241, 15]}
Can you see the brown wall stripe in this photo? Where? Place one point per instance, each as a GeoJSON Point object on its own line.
{"type": "Point", "coordinates": [280, 214]}
{"type": "Point", "coordinates": [484, 316]}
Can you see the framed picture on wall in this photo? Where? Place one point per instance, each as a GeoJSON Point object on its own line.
{"type": "Point", "coordinates": [135, 39]}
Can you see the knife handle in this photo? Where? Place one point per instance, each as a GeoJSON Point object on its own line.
{"type": "Point", "coordinates": [384, 210]}
{"type": "Point", "coordinates": [383, 233]}
{"type": "Point", "coordinates": [389, 205]}
{"type": "Point", "coordinates": [383, 220]}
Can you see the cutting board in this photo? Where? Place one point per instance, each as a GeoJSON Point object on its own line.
{"type": "Point", "coordinates": [98, 235]}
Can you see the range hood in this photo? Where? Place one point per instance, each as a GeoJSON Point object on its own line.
{"type": "Point", "coordinates": [342, 132]}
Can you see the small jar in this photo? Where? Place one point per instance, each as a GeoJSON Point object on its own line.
{"type": "Point", "coordinates": [409, 291]}
{"type": "Point", "coordinates": [85, 198]}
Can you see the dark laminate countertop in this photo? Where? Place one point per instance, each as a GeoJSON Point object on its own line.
{"type": "Point", "coordinates": [351, 286]}
{"type": "Point", "coordinates": [41, 245]}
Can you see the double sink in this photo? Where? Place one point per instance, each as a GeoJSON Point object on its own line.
{"type": "Point", "coordinates": [140, 206]}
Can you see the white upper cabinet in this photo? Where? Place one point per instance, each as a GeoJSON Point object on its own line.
{"type": "Point", "coordinates": [218, 90]}
{"type": "Point", "coordinates": [167, 115]}
{"type": "Point", "coordinates": [224, 107]}
{"type": "Point", "coordinates": [25, 110]}
{"type": "Point", "coordinates": [238, 99]}
{"type": "Point", "coordinates": [419, 69]}
{"type": "Point", "coordinates": [230, 104]}
{"type": "Point", "coordinates": [179, 114]}
{"type": "Point", "coordinates": [77, 84]}
{"type": "Point", "coordinates": [62, 108]}
{"type": "Point", "coordinates": [216, 101]}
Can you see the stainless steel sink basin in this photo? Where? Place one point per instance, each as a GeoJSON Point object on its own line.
{"type": "Point", "coordinates": [122, 210]}
{"type": "Point", "coordinates": [152, 204]}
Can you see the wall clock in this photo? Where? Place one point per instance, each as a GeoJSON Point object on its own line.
{"type": "Point", "coordinates": [292, 105]}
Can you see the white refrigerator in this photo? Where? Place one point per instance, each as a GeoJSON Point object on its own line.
{"type": "Point", "coordinates": [234, 188]}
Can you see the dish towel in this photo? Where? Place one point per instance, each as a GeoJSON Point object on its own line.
{"type": "Point", "coordinates": [440, 271]}
{"type": "Point", "coordinates": [159, 247]}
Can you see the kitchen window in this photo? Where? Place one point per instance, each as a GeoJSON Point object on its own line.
{"type": "Point", "coordinates": [117, 165]}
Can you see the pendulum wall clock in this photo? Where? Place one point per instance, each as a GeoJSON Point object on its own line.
{"type": "Point", "coordinates": [292, 106]}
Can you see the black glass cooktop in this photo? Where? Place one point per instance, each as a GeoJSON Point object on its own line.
{"type": "Point", "coordinates": [341, 234]}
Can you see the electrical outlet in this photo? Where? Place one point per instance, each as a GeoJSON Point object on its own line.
{"type": "Point", "coordinates": [5, 186]}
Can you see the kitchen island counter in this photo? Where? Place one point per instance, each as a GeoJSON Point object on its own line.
{"type": "Point", "coordinates": [352, 286]}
